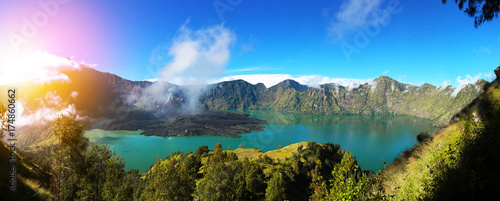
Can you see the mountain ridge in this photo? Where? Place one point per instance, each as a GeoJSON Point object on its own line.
{"type": "Point", "coordinates": [108, 97]}
{"type": "Point", "coordinates": [384, 96]}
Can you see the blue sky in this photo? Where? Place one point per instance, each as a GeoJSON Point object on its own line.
{"type": "Point", "coordinates": [416, 41]}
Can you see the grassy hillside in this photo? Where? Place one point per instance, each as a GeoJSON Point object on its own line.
{"type": "Point", "coordinates": [28, 178]}
{"type": "Point", "coordinates": [460, 163]}
{"type": "Point", "coordinates": [278, 154]}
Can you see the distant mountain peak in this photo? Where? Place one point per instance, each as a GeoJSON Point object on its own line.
{"type": "Point", "coordinates": [290, 84]}
{"type": "Point", "coordinates": [426, 86]}
{"type": "Point", "coordinates": [384, 78]}
{"type": "Point", "coordinates": [239, 81]}
{"type": "Point", "coordinates": [481, 82]}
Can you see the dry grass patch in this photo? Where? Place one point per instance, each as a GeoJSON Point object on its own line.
{"type": "Point", "coordinates": [278, 154]}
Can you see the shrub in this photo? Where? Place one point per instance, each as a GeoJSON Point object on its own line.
{"type": "Point", "coordinates": [423, 137]}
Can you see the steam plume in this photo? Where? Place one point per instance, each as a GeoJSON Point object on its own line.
{"type": "Point", "coordinates": [195, 58]}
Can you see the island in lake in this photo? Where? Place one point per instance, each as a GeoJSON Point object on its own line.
{"type": "Point", "coordinates": [217, 123]}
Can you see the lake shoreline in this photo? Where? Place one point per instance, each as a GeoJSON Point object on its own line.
{"type": "Point", "coordinates": [371, 139]}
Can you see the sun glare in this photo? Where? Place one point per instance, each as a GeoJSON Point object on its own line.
{"type": "Point", "coordinates": [38, 67]}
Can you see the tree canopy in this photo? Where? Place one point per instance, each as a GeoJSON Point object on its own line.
{"type": "Point", "coordinates": [480, 10]}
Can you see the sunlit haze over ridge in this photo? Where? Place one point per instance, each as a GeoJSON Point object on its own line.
{"type": "Point", "coordinates": [186, 42]}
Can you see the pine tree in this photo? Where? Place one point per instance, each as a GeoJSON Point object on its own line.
{"type": "Point", "coordinates": [238, 180]}
{"type": "Point", "coordinates": [217, 183]}
{"type": "Point", "coordinates": [67, 157]}
{"type": "Point", "coordinates": [318, 186]}
{"type": "Point", "coordinates": [276, 187]}
{"type": "Point", "coordinates": [132, 186]}
{"type": "Point", "coordinates": [202, 150]}
{"type": "Point", "coordinates": [69, 133]}
{"type": "Point", "coordinates": [348, 182]}
{"type": "Point", "coordinates": [104, 174]}
{"type": "Point", "coordinates": [218, 155]}
{"type": "Point", "coordinates": [173, 178]}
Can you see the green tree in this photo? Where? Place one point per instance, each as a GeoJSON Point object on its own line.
{"type": "Point", "coordinates": [64, 180]}
{"type": "Point", "coordinates": [132, 186]}
{"type": "Point", "coordinates": [191, 164]}
{"type": "Point", "coordinates": [202, 150]}
{"type": "Point", "coordinates": [480, 10]}
{"type": "Point", "coordinates": [318, 186]}
{"type": "Point", "coordinates": [276, 187]}
{"type": "Point", "coordinates": [69, 133]}
{"type": "Point", "coordinates": [67, 157]}
{"type": "Point", "coordinates": [238, 180]}
{"type": "Point", "coordinates": [249, 180]}
{"type": "Point", "coordinates": [114, 175]}
{"type": "Point", "coordinates": [218, 155]}
{"type": "Point", "coordinates": [217, 183]}
{"type": "Point", "coordinates": [173, 178]}
{"type": "Point", "coordinates": [103, 176]}
{"type": "Point", "coordinates": [348, 182]}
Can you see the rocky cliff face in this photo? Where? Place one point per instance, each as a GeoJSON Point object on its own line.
{"type": "Point", "coordinates": [384, 96]}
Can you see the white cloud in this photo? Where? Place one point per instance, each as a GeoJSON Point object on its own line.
{"type": "Point", "coordinates": [444, 85]}
{"type": "Point", "coordinates": [482, 49]}
{"type": "Point", "coordinates": [48, 109]}
{"type": "Point", "coordinates": [310, 80]}
{"type": "Point", "coordinates": [385, 72]}
{"type": "Point", "coordinates": [354, 14]}
{"type": "Point", "coordinates": [42, 115]}
{"type": "Point", "coordinates": [464, 82]}
{"type": "Point", "coordinates": [39, 67]}
{"type": "Point", "coordinates": [267, 79]}
{"type": "Point", "coordinates": [198, 55]}
{"type": "Point", "coordinates": [151, 80]}
{"type": "Point", "coordinates": [52, 98]}
{"type": "Point", "coordinates": [74, 94]}
{"type": "Point", "coordinates": [193, 59]}
{"type": "Point", "coordinates": [246, 47]}
{"type": "Point", "coordinates": [401, 77]}
{"type": "Point", "coordinates": [246, 69]}
{"type": "Point", "coordinates": [316, 80]}
{"type": "Point", "coordinates": [490, 77]}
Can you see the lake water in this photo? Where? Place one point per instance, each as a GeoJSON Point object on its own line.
{"type": "Point", "coordinates": [369, 138]}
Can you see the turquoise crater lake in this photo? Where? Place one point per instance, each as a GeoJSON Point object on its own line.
{"type": "Point", "coordinates": [369, 138]}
